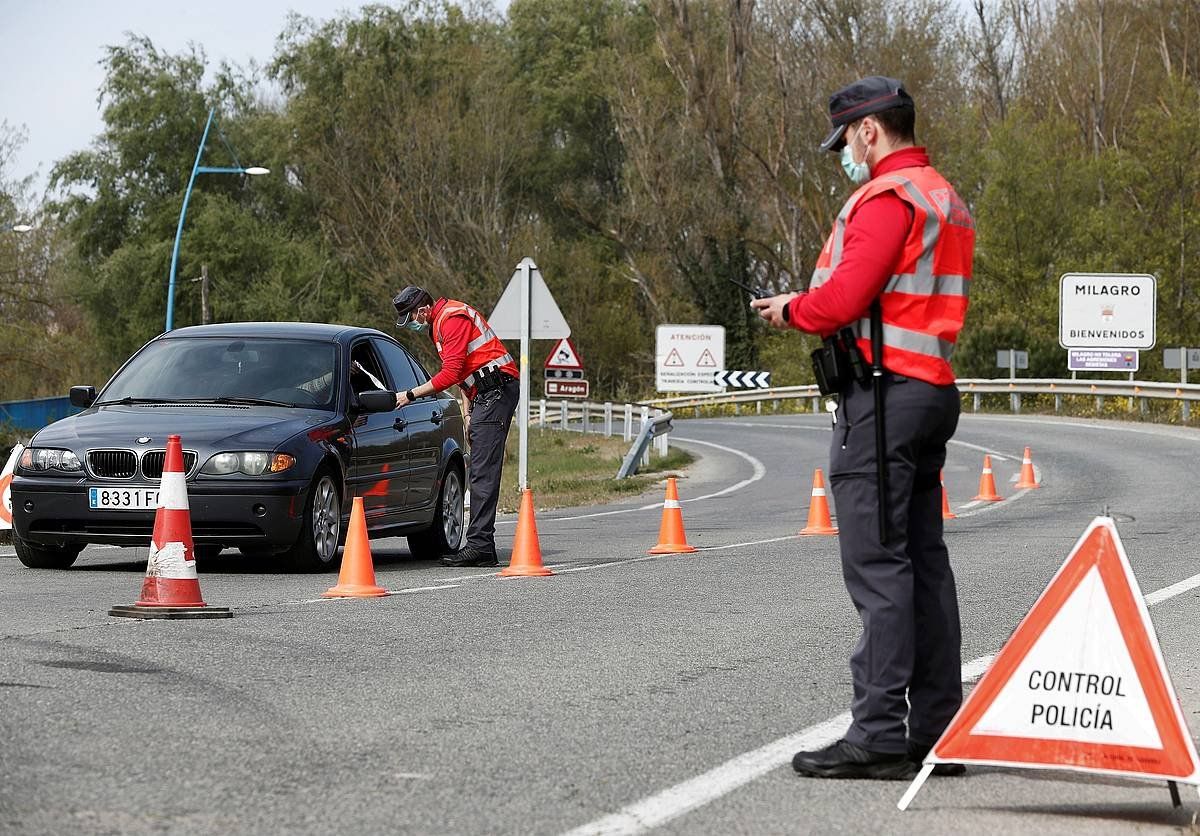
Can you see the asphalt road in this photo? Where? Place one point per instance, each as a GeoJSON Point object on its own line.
{"type": "Point", "coordinates": [623, 692]}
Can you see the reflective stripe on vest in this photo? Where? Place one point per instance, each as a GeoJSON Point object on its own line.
{"type": "Point", "coordinates": [484, 349]}
{"type": "Point", "coordinates": [923, 310]}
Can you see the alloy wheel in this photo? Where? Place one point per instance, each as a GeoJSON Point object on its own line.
{"type": "Point", "coordinates": [326, 520]}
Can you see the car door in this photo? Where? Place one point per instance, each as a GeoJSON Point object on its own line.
{"type": "Point", "coordinates": [378, 469]}
{"type": "Point", "coordinates": [423, 422]}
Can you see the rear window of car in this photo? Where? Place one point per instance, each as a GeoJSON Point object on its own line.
{"type": "Point", "coordinates": [294, 372]}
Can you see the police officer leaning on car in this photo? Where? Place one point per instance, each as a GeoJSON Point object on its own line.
{"type": "Point", "coordinates": [474, 358]}
{"type": "Point", "coordinates": [897, 266]}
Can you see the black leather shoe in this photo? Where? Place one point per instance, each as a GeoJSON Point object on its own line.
{"type": "Point", "coordinates": [917, 753]}
{"type": "Point", "coordinates": [471, 557]}
{"type": "Point", "coordinates": [846, 760]}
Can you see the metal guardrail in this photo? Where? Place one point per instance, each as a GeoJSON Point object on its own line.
{"type": "Point", "coordinates": [653, 424]}
{"type": "Point", "coordinates": [1184, 393]}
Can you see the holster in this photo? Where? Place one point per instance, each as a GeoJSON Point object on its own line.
{"type": "Point", "coordinates": [838, 362]}
{"type": "Point", "coordinates": [488, 380]}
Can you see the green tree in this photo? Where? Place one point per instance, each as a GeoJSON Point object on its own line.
{"type": "Point", "coordinates": [119, 202]}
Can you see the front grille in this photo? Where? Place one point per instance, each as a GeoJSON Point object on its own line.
{"type": "Point", "coordinates": [112, 464]}
{"type": "Point", "coordinates": [152, 463]}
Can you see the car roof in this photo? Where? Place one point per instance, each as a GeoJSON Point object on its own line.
{"type": "Point", "coordinates": [294, 330]}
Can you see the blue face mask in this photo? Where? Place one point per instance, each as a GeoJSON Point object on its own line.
{"type": "Point", "coordinates": [416, 326]}
{"type": "Point", "coordinates": [858, 173]}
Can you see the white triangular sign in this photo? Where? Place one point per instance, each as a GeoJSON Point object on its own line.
{"type": "Point", "coordinates": [545, 319]}
{"type": "Point", "coordinates": [1082, 683]}
{"type": "Point", "coordinates": [564, 356]}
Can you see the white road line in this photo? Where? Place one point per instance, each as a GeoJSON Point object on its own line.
{"type": "Point", "coordinates": [748, 543]}
{"type": "Point", "coordinates": [1000, 457]}
{"type": "Point", "coordinates": [689, 795]}
{"type": "Point", "coordinates": [760, 470]}
{"type": "Point", "coordinates": [411, 589]}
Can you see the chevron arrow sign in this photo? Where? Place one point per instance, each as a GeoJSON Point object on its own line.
{"type": "Point", "coordinates": [742, 380]}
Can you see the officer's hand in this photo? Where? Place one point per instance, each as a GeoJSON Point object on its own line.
{"type": "Point", "coordinates": [771, 308]}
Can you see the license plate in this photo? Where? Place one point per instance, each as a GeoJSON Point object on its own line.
{"type": "Point", "coordinates": [122, 499]}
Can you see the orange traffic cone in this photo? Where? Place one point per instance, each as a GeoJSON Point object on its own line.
{"type": "Point", "coordinates": [947, 514]}
{"type": "Point", "coordinates": [987, 483]}
{"type": "Point", "coordinates": [171, 588]}
{"type": "Point", "coordinates": [1028, 478]}
{"type": "Point", "coordinates": [526, 560]}
{"type": "Point", "coordinates": [357, 576]}
{"type": "Point", "coordinates": [671, 537]}
{"type": "Point", "coordinates": [818, 509]}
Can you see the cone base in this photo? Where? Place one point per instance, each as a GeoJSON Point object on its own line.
{"type": "Point", "coordinates": [1024, 486]}
{"type": "Point", "coordinates": [949, 516]}
{"type": "Point", "coordinates": [138, 611]}
{"type": "Point", "coordinates": [982, 498]}
{"type": "Point", "coordinates": [354, 590]}
{"type": "Point", "coordinates": [810, 530]}
{"type": "Point", "coordinates": [667, 548]}
{"type": "Point", "coordinates": [538, 571]}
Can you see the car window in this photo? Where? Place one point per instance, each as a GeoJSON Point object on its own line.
{"type": "Point", "coordinates": [397, 361]}
{"type": "Point", "coordinates": [296, 372]}
{"type": "Point", "coordinates": [365, 372]}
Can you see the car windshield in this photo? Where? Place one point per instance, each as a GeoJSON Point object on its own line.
{"type": "Point", "coordinates": [219, 369]}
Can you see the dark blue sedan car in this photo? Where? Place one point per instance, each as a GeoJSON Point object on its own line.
{"type": "Point", "coordinates": [283, 424]}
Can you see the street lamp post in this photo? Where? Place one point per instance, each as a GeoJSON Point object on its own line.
{"type": "Point", "coordinates": [199, 169]}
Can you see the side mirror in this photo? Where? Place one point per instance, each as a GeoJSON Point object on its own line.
{"type": "Point", "coordinates": [83, 396]}
{"type": "Point", "coordinates": [377, 400]}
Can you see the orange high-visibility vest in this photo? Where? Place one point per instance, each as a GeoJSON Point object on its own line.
{"type": "Point", "coordinates": [484, 349]}
{"type": "Point", "coordinates": [924, 303]}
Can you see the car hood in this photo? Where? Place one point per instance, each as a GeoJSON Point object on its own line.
{"type": "Point", "coordinates": [199, 426]}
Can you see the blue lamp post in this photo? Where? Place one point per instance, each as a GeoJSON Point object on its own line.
{"type": "Point", "coordinates": [200, 169]}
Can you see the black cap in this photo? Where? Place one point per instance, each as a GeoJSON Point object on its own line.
{"type": "Point", "coordinates": [409, 299]}
{"type": "Point", "coordinates": [862, 98]}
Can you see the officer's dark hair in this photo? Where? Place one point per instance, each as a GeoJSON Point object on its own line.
{"type": "Point", "coordinates": [899, 123]}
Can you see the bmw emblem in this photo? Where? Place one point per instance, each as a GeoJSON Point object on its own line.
{"type": "Point", "coordinates": [145, 439]}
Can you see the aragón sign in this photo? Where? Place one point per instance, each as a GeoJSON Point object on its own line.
{"type": "Point", "coordinates": [1107, 310]}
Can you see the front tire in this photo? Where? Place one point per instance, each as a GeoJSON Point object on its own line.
{"type": "Point", "coordinates": [321, 532]}
{"type": "Point", "coordinates": [38, 556]}
{"type": "Point", "coordinates": [445, 533]}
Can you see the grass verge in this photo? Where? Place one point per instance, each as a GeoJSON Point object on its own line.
{"type": "Point", "coordinates": [567, 469]}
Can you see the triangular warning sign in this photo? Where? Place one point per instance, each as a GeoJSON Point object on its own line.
{"type": "Point", "coordinates": [706, 360]}
{"type": "Point", "coordinates": [673, 359]}
{"type": "Point", "coordinates": [564, 356]}
{"type": "Point", "coordinates": [1081, 684]}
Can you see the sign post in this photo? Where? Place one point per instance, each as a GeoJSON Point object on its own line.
{"type": "Point", "coordinates": [527, 310]}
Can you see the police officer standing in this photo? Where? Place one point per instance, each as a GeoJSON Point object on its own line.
{"type": "Point", "coordinates": [474, 358]}
{"type": "Point", "coordinates": [896, 267]}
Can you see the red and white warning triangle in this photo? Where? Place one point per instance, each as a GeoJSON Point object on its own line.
{"type": "Point", "coordinates": [1080, 685]}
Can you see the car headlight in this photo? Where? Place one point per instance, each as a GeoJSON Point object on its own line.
{"type": "Point", "coordinates": [41, 459]}
{"type": "Point", "coordinates": [250, 463]}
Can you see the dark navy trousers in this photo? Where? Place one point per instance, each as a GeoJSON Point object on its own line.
{"type": "Point", "coordinates": [491, 415]}
{"type": "Point", "coordinates": [906, 666]}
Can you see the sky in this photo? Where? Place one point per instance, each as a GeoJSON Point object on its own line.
{"type": "Point", "coordinates": [51, 49]}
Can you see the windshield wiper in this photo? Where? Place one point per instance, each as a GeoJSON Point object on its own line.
{"type": "Point", "coordinates": [244, 401]}
{"type": "Point", "coordinates": [130, 399]}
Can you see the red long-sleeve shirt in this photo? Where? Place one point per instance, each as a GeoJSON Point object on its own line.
{"type": "Point", "coordinates": [873, 243]}
{"type": "Point", "coordinates": [456, 333]}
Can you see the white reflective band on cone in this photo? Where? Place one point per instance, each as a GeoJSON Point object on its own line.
{"type": "Point", "coordinates": [987, 470]}
{"type": "Point", "coordinates": [671, 503]}
{"type": "Point", "coordinates": [170, 562]}
{"type": "Point", "coordinates": [173, 492]}
{"type": "Point", "coordinates": [818, 492]}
